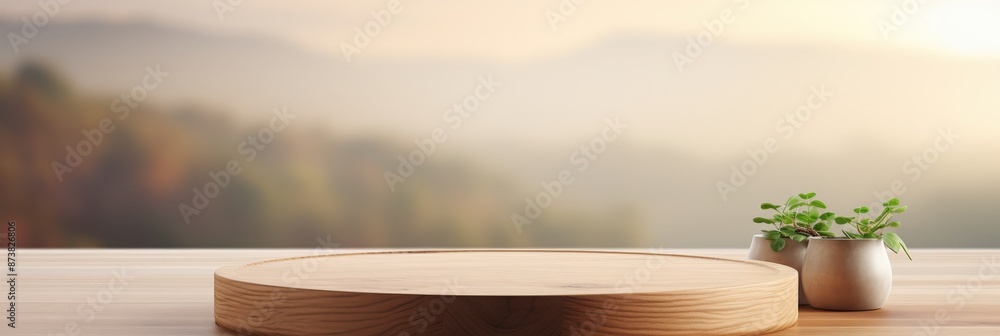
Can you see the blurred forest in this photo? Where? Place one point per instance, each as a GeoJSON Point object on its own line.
{"type": "Point", "coordinates": [323, 176]}
{"type": "Point", "coordinates": [307, 184]}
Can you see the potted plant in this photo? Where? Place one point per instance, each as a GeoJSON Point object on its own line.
{"type": "Point", "coordinates": [853, 272]}
{"type": "Point", "coordinates": [794, 221]}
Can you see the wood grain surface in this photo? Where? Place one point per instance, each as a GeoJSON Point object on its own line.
{"type": "Point", "coordinates": [170, 292]}
{"type": "Point", "coordinates": [506, 292]}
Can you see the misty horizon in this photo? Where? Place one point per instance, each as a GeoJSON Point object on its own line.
{"type": "Point", "coordinates": [852, 122]}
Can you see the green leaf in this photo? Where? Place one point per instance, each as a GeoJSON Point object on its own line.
{"type": "Point", "coordinates": [773, 234]}
{"type": "Point", "coordinates": [762, 220]}
{"type": "Point", "coordinates": [869, 235]}
{"type": "Point", "coordinates": [899, 209]}
{"type": "Point", "coordinates": [894, 224]}
{"type": "Point", "coordinates": [894, 202]}
{"type": "Point", "coordinates": [777, 245]}
{"type": "Point", "coordinates": [793, 200]}
{"type": "Point", "coordinates": [788, 231]}
{"type": "Point", "coordinates": [902, 245]}
{"type": "Point", "coordinates": [818, 204]}
{"type": "Point", "coordinates": [799, 237]}
{"type": "Point", "coordinates": [827, 216]}
{"type": "Point", "coordinates": [851, 235]}
{"type": "Point", "coordinates": [905, 250]}
{"type": "Point", "coordinates": [813, 213]}
{"type": "Point", "coordinates": [821, 227]}
{"type": "Point", "coordinates": [864, 209]}
{"type": "Point", "coordinates": [802, 217]}
{"type": "Point", "coordinates": [892, 242]}
{"type": "Point", "coordinates": [842, 220]}
{"type": "Point", "coordinates": [766, 206]}
{"type": "Point", "coordinates": [826, 234]}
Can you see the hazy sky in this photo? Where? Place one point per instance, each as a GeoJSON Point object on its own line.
{"type": "Point", "coordinates": [521, 30]}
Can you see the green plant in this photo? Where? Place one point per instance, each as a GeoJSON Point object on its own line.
{"type": "Point", "coordinates": [868, 227]}
{"type": "Point", "coordinates": [799, 218]}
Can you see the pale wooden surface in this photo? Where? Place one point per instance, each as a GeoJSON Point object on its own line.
{"type": "Point", "coordinates": [509, 292]}
{"type": "Point", "coordinates": [171, 293]}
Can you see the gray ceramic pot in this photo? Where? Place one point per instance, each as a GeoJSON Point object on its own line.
{"type": "Point", "coordinates": [792, 256]}
{"type": "Point", "coordinates": [846, 274]}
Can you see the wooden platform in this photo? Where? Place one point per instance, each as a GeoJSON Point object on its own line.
{"type": "Point", "coordinates": [506, 292]}
{"type": "Point", "coordinates": [170, 292]}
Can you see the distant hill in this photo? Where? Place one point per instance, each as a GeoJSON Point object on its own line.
{"type": "Point", "coordinates": [686, 131]}
{"type": "Point", "coordinates": [304, 185]}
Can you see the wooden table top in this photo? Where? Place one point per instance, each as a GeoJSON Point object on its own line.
{"type": "Point", "coordinates": [507, 292]}
{"type": "Point", "coordinates": [170, 292]}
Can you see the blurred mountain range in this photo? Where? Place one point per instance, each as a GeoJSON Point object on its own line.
{"type": "Point", "coordinates": [308, 185]}
{"type": "Point", "coordinates": [324, 176]}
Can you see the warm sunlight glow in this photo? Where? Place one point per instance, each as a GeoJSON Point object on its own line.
{"type": "Point", "coordinates": [969, 27]}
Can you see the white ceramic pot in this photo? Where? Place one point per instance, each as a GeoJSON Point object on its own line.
{"type": "Point", "coordinates": [792, 256]}
{"type": "Point", "coordinates": [846, 274]}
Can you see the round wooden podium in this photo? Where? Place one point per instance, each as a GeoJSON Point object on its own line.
{"type": "Point", "coordinates": [506, 292]}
